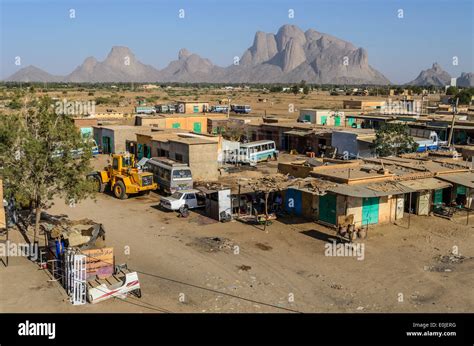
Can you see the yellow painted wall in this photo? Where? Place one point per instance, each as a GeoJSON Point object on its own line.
{"type": "Point", "coordinates": [186, 123]}
{"type": "Point", "coordinates": [384, 209]}
{"type": "Point", "coordinates": [354, 206]}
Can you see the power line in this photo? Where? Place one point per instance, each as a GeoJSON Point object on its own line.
{"type": "Point", "coordinates": [194, 286]}
{"type": "Point", "coordinates": [203, 288]}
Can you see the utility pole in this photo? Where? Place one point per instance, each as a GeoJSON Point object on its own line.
{"type": "Point", "coordinates": [228, 107]}
{"type": "Point", "coordinates": [451, 133]}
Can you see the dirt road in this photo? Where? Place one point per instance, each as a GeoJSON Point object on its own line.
{"type": "Point", "coordinates": [199, 265]}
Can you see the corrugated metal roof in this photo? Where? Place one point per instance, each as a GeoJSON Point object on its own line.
{"type": "Point", "coordinates": [465, 178]}
{"type": "Point", "coordinates": [425, 184]}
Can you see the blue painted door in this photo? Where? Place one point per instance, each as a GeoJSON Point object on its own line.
{"type": "Point", "coordinates": [293, 202]}
{"type": "Point", "coordinates": [370, 210]}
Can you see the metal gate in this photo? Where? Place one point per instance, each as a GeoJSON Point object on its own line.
{"type": "Point", "coordinates": [75, 277]}
{"type": "Point", "coordinates": [327, 208]}
{"type": "Point", "coordinates": [370, 210]}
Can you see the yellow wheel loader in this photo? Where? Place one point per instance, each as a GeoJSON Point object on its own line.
{"type": "Point", "coordinates": [123, 178]}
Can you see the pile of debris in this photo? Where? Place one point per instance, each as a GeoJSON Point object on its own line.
{"type": "Point", "coordinates": [82, 234]}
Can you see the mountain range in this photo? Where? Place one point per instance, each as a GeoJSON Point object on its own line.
{"type": "Point", "coordinates": [289, 56]}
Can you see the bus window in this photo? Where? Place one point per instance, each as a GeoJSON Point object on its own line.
{"type": "Point", "coordinates": [182, 173]}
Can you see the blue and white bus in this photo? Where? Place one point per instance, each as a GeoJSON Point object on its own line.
{"type": "Point", "coordinates": [258, 151]}
{"type": "Point", "coordinates": [240, 109]}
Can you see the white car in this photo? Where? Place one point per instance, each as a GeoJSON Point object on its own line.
{"type": "Point", "coordinates": [187, 199]}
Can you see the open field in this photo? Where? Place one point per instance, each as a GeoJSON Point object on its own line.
{"type": "Point", "coordinates": [195, 259]}
{"type": "Point", "coordinates": [281, 104]}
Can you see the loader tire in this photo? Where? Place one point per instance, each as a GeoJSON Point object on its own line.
{"type": "Point", "coordinates": [100, 186]}
{"type": "Point", "coordinates": [119, 190]}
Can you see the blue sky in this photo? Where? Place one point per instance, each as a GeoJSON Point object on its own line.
{"type": "Point", "coordinates": [42, 34]}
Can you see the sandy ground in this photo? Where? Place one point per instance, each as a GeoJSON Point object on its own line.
{"type": "Point", "coordinates": [283, 104]}
{"type": "Point", "coordinates": [284, 267]}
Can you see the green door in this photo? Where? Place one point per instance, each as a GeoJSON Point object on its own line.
{"type": "Point", "coordinates": [327, 208]}
{"type": "Point", "coordinates": [106, 145]}
{"type": "Point", "coordinates": [307, 117]}
{"type": "Point", "coordinates": [370, 210]}
{"type": "Point", "coordinates": [196, 109]}
{"type": "Point", "coordinates": [438, 197]}
{"type": "Point", "coordinates": [176, 125]}
{"type": "Point", "coordinates": [197, 127]}
{"type": "Point", "coordinates": [337, 120]}
{"type": "Point", "coordinates": [324, 119]}
{"type": "Point", "coordinates": [350, 121]}
{"type": "Point", "coordinates": [460, 190]}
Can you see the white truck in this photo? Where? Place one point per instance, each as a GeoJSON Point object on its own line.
{"type": "Point", "coordinates": [183, 200]}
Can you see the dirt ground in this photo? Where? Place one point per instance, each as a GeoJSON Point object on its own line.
{"type": "Point", "coordinates": [282, 104]}
{"type": "Point", "coordinates": [200, 265]}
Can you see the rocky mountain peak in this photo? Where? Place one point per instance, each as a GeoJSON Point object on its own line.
{"type": "Point", "coordinates": [183, 54]}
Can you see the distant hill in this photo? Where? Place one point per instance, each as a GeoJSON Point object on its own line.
{"type": "Point", "coordinates": [293, 55]}
{"type": "Point", "coordinates": [466, 79]}
{"type": "Point", "coordinates": [119, 66]}
{"type": "Point", "coordinates": [32, 74]}
{"type": "Point", "coordinates": [433, 76]}
{"type": "Point", "coordinates": [290, 55]}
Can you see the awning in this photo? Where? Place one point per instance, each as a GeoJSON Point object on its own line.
{"type": "Point", "coordinates": [464, 178]}
{"type": "Point", "coordinates": [297, 133]}
{"type": "Point", "coordinates": [366, 139]}
{"type": "Point", "coordinates": [371, 190]}
{"type": "Point", "coordinates": [425, 184]}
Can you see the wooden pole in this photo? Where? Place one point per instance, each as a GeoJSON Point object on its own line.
{"type": "Point", "coordinates": [266, 210]}
{"type": "Point", "coordinates": [409, 211]}
{"type": "Point", "coordinates": [451, 133]}
{"type": "Point", "coordinates": [238, 199]}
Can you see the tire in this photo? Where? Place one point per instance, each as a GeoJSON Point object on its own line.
{"type": "Point", "coordinates": [146, 193]}
{"type": "Point", "coordinates": [269, 158]}
{"type": "Point", "coordinates": [184, 211]}
{"type": "Point", "coordinates": [137, 293]}
{"type": "Point", "coordinates": [119, 190]}
{"type": "Point", "coordinates": [100, 187]}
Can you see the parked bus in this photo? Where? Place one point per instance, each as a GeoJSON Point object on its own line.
{"type": "Point", "coordinates": [170, 175]}
{"type": "Point", "coordinates": [245, 109]}
{"type": "Point", "coordinates": [253, 152]}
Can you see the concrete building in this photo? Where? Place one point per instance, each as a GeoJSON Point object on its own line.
{"type": "Point", "coordinates": [113, 138]}
{"type": "Point", "coordinates": [200, 152]}
{"type": "Point", "coordinates": [373, 191]}
{"type": "Point", "coordinates": [363, 105]}
{"type": "Point", "coordinates": [353, 143]}
{"type": "Point", "coordinates": [322, 117]}
{"type": "Point", "coordinates": [85, 125]}
{"type": "Point", "coordinates": [192, 107]}
{"type": "Point", "coordinates": [187, 122]}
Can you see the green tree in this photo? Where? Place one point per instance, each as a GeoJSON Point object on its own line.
{"type": "Point", "coordinates": [452, 90]}
{"type": "Point", "coordinates": [465, 96]}
{"type": "Point", "coordinates": [393, 139]}
{"type": "Point", "coordinates": [43, 156]}
{"type": "Point", "coordinates": [295, 89]}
